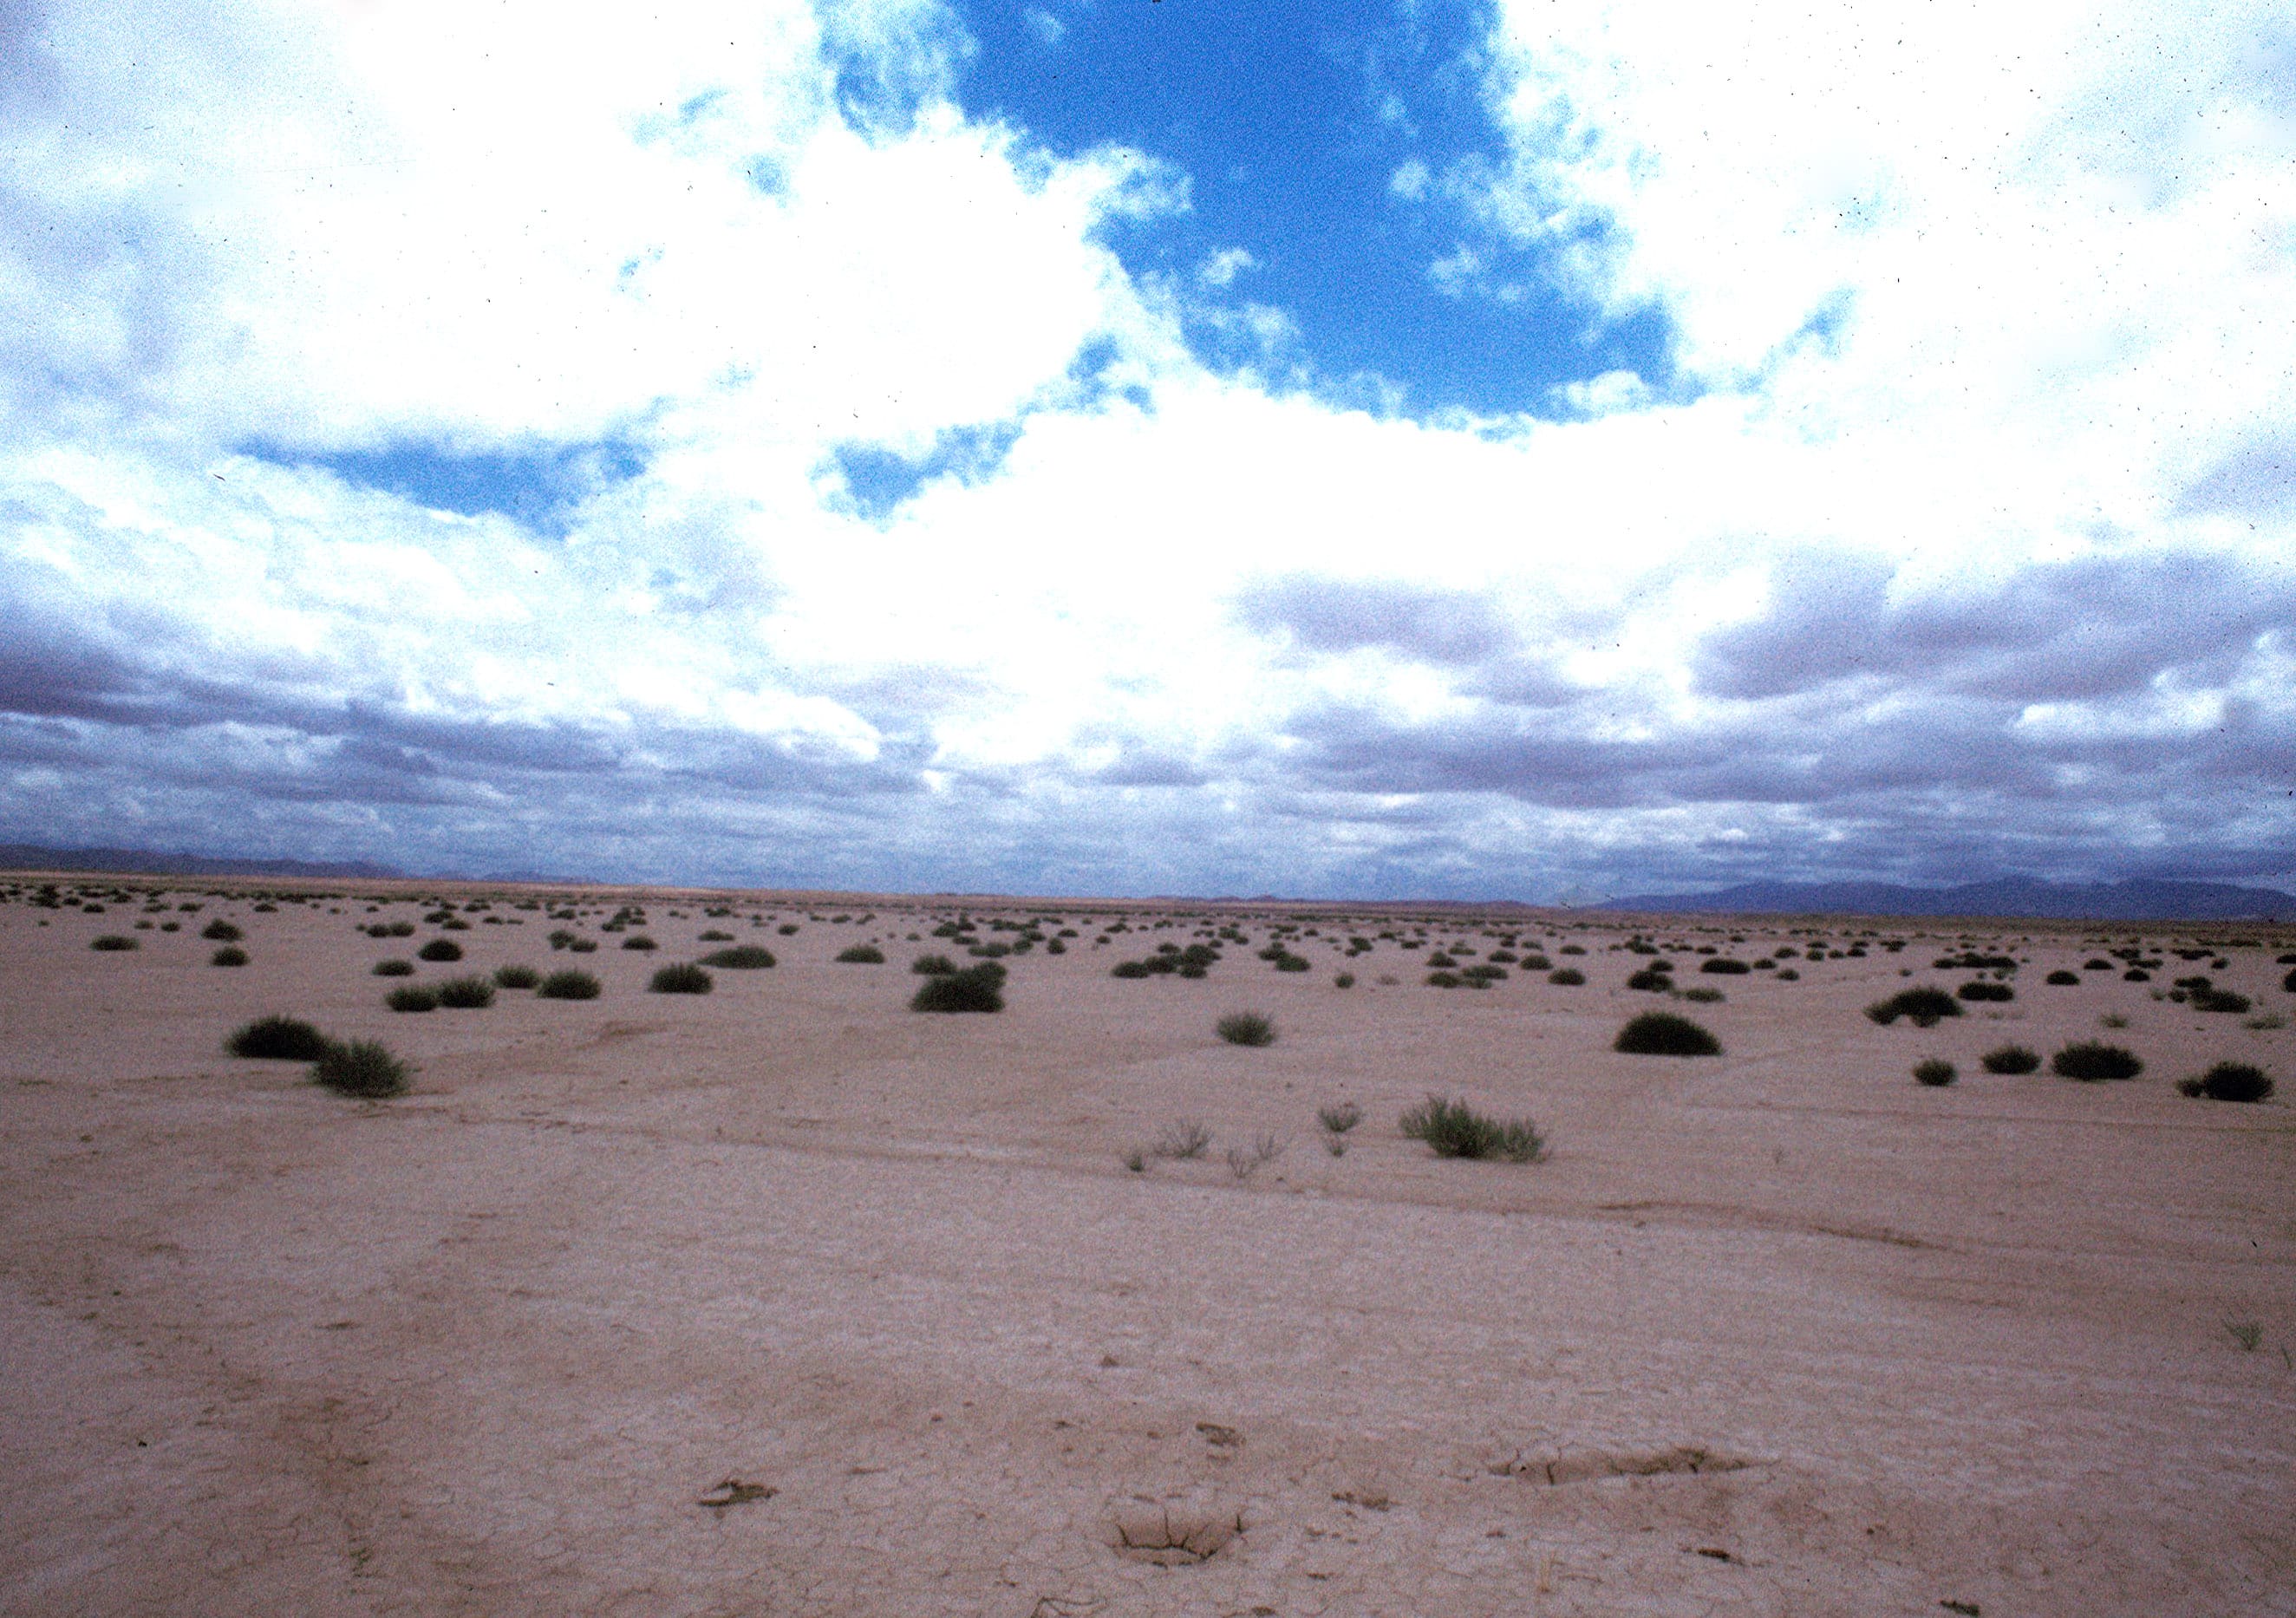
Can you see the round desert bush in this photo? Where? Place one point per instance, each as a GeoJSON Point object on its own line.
{"type": "Point", "coordinates": [220, 932]}
{"type": "Point", "coordinates": [681, 980]}
{"type": "Point", "coordinates": [2010, 1059]}
{"type": "Point", "coordinates": [393, 969]}
{"type": "Point", "coordinates": [1294, 963]}
{"type": "Point", "coordinates": [277, 1039]}
{"type": "Point", "coordinates": [440, 949]}
{"type": "Point", "coordinates": [412, 996]}
{"type": "Point", "coordinates": [568, 985]}
{"type": "Point", "coordinates": [2219, 999]}
{"type": "Point", "coordinates": [975, 989]}
{"type": "Point", "coordinates": [230, 954]}
{"type": "Point", "coordinates": [932, 966]}
{"type": "Point", "coordinates": [1701, 996]}
{"type": "Point", "coordinates": [2090, 1060]}
{"type": "Point", "coordinates": [1925, 1006]}
{"type": "Point", "coordinates": [1453, 1129]}
{"type": "Point", "coordinates": [1443, 980]}
{"type": "Point", "coordinates": [1981, 989]}
{"type": "Point", "coordinates": [2289, 983]}
{"type": "Point", "coordinates": [360, 1067]}
{"type": "Point", "coordinates": [639, 940]}
{"type": "Point", "coordinates": [2229, 1081]}
{"type": "Point", "coordinates": [1346, 980]}
{"type": "Point", "coordinates": [111, 941]}
{"type": "Point", "coordinates": [1723, 965]}
{"type": "Point", "coordinates": [861, 954]}
{"type": "Point", "coordinates": [1651, 980]}
{"type": "Point", "coordinates": [516, 977]}
{"type": "Point", "coordinates": [2136, 974]}
{"type": "Point", "coordinates": [1661, 1033]}
{"type": "Point", "coordinates": [742, 958]}
{"type": "Point", "coordinates": [466, 993]}
{"type": "Point", "coordinates": [2061, 978]}
{"type": "Point", "coordinates": [1246, 1028]}
{"type": "Point", "coordinates": [1934, 1072]}
{"type": "Point", "coordinates": [1569, 977]}
{"type": "Point", "coordinates": [1132, 969]}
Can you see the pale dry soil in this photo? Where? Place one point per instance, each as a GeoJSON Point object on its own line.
{"type": "Point", "coordinates": [1779, 1332]}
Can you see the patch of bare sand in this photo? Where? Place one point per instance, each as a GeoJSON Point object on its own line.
{"type": "Point", "coordinates": [786, 1300]}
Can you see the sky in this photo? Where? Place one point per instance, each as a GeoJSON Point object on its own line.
{"type": "Point", "coordinates": [1536, 450]}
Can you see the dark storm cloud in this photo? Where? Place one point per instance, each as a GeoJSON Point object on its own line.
{"type": "Point", "coordinates": [1330, 615]}
{"type": "Point", "coordinates": [2067, 631]}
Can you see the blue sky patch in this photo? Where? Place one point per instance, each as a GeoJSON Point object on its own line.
{"type": "Point", "coordinates": [878, 480]}
{"type": "Point", "coordinates": [538, 489]}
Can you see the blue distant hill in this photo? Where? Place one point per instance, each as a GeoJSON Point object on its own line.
{"type": "Point", "coordinates": [2138, 899]}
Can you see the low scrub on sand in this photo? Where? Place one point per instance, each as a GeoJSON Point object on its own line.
{"type": "Point", "coordinates": [230, 954]}
{"type": "Point", "coordinates": [639, 940]}
{"type": "Point", "coordinates": [277, 1039]}
{"type": "Point", "coordinates": [975, 989]}
{"type": "Point", "coordinates": [220, 932]}
{"type": "Point", "coordinates": [361, 1067]}
{"type": "Point", "coordinates": [1453, 1129]}
{"type": "Point", "coordinates": [516, 977]}
{"type": "Point", "coordinates": [412, 996]}
{"type": "Point", "coordinates": [2010, 1059]}
{"type": "Point", "coordinates": [466, 994]}
{"type": "Point", "coordinates": [932, 966]}
{"type": "Point", "coordinates": [1661, 1033]}
{"type": "Point", "coordinates": [1934, 1072]}
{"type": "Point", "coordinates": [1246, 1028]}
{"type": "Point", "coordinates": [2061, 978]}
{"type": "Point", "coordinates": [2229, 1081]}
{"type": "Point", "coordinates": [742, 958]}
{"type": "Point", "coordinates": [568, 985]}
{"type": "Point", "coordinates": [112, 941]}
{"type": "Point", "coordinates": [440, 949]}
{"type": "Point", "coordinates": [681, 980]}
{"type": "Point", "coordinates": [393, 969]}
{"type": "Point", "coordinates": [1925, 1007]}
{"type": "Point", "coordinates": [1723, 965]}
{"type": "Point", "coordinates": [1984, 988]}
{"type": "Point", "coordinates": [1182, 1140]}
{"type": "Point", "coordinates": [861, 954]}
{"type": "Point", "coordinates": [1566, 977]}
{"type": "Point", "coordinates": [2091, 1061]}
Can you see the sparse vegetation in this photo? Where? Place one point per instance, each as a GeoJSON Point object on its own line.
{"type": "Point", "coordinates": [2229, 1081]}
{"type": "Point", "coordinates": [364, 1068]}
{"type": "Point", "coordinates": [1453, 1128]}
{"type": "Point", "coordinates": [639, 940]}
{"type": "Point", "coordinates": [230, 954]}
{"type": "Point", "coordinates": [975, 989]}
{"type": "Point", "coordinates": [220, 932]}
{"type": "Point", "coordinates": [1925, 1007]}
{"type": "Point", "coordinates": [1984, 988]}
{"type": "Point", "coordinates": [1340, 1118]}
{"type": "Point", "coordinates": [393, 969]}
{"type": "Point", "coordinates": [466, 994]}
{"type": "Point", "coordinates": [277, 1039]}
{"type": "Point", "coordinates": [1661, 1033]}
{"type": "Point", "coordinates": [412, 996]}
{"type": "Point", "coordinates": [113, 942]}
{"type": "Point", "coordinates": [861, 954]}
{"type": "Point", "coordinates": [1244, 1162]}
{"type": "Point", "coordinates": [682, 979]}
{"type": "Point", "coordinates": [2010, 1059]}
{"type": "Point", "coordinates": [568, 985]}
{"type": "Point", "coordinates": [516, 977]}
{"type": "Point", "coordinates": [1935, 1072]}
{"type": "Point", "coordinates": [1182, 1140]}
{"type": "Point", "coordinates": [2062, 978]}
{"type": "Point", "coordinates": [440, 949]}
{"type": "Point", "coordinates": [2090, 1062]}
{"type": "Point", "coordinates": [1567, 977]}
{"type": "Point", "coordinates": [1246, 1028]}
{"type": "Point", "coordinates": [742, 958]}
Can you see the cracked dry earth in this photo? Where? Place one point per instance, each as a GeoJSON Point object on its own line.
{"type": "Point", "coordinates": [786, 1301]}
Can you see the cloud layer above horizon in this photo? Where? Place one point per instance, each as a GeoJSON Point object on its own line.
{"type": "Point", "coordinates": [1447, 449]}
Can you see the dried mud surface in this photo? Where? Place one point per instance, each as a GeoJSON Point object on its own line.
{"type": "Point", "coordinates": [784, 1299]}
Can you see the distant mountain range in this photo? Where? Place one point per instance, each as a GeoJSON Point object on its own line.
{"type": "Point", "coordinates": [32, 857]}
{"type": "Point", "coordinates": [2138, 899]}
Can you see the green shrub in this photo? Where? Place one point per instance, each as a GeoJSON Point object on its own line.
{"type": "Point", "coordinates": [1294, 963]}
{"type": "Point", "coordinates": [412, 996]}
{"type": "Point", "coordinates": [568, 985]}
{"type": "Point", "coordinates": [639, 940]}
{"type": "Point", "coordinates": [2010, 1059]}
{"type": "Point", "coordinates": [1723, 965]}
{"type": "Point", "coordinates": [1934, 1072]}
{"type": "Point", "coordinates": [2219, 1000]}
{"type": "Point", "coordinates": [1339, 1120]}
{"type": "Point", "coordinates": [1702, 996]}
{"type": "Point", "coordinates": [975, 989]}
{"type": "Point", "coordinates": [466, 993]}
{"type": "Point", "coordinates": [1443, 980]}
{"type": "Point", "coordinates": [111, 943]}
{"type": "Point", "coordinates": [1246, 1028]}
{"type": "Point", "coordinates": [440, 949]}
{"type": "Point", "coordinates": [2091, 1061]}
{"type": "Point", "coordinates": [1567, 977]}
{"type": "Point", "coordinates": [2061, 978]}
{"type": "Point", "coordinates": [393, 969]}
{"type": "Point", "coordinates": [1661, 1033]}
{"type": "Point", "coordinates": [1925, 1008]}
{"type": "Point", "coordinates": [1131, 969]}
{"type": "Point", "coordinates": [1346, 980]}
{"type": "Point", "coordinates": [2229, 1081]}
{"type": "Point", "coordinates": [1453, 1129]}
{"type": "Point", "coordinates": [932, 966]}
{"type": "Point", "coordinates": [516, 977]}
{"type": "Point", "coordinates": [681, 980]}
{"type": "Point", "coordinates": [361, 1067]}
{"type": "Point", "coordinates": [1650, 980]}
{"type": "Point", "coordinates": [230, 954]}
{"type": "Point", "coordinates": [277, 1039]}
{"type": "Point", "coordinates": [742, 958]}
{"type": "Point", "coordinates": [861, 954]}
{"type": "Point", "coordinates": [1983, 988]}
{"type": "Point", "coordinates": [221, 932]}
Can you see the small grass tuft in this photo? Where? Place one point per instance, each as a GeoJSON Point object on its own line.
{"type": "Point", "coordinates": [1567, 977]}
{"type": "Point", "coordinates": [1935, 1072]}
{"type": "Point", "coordinates": [2010, 1059]}
{"type": "Point", "coordinates": [1182, 1140]}
{"type": "Point", "coordinates": [1453, 1128]}
{"type": "Point", "coordinates": [682, 979]}
{"type": "Point", "coordinates": [932, 966]}
{"type": "Point", "coordinates": [2090, 1061]}
{"type": "Point", "coordinates": [516, 977]}
{"type": "Point", "coordinates": [220, 932]}
{"type": "Point", "coordinates": [230, 954]}
{"type": "Point", "coordinates": [412, 996]}
{"type": "Point", "coordinates": [440, 949]}
{"type": "Point", "coordinates": [277, 1039]}
{"type": "Point", "coordinates": [361, 1067]}
{"type": "Point", "coordinates": [113, 942]}
{"type": "Point", "coordinates": [466, 994]}
{"type": "Point", "coordinates": [742, 958]}
{"type": "Point", "coordinates": [861, 954]}
{"type": "Point", "coordinates": [976, 988]}
{"type": "Point", "coordinates": [1339, 1120]}
{"type": "Point", "coordinates": [568, 985]}
{"type": "Point", "coordinates": [1661, 1033]}
{"type": "Point", "coordinates": [393, 969]}
{"type": "Point", "coordinates": [1246, 1028]}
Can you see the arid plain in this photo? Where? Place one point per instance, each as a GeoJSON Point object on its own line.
{"type": "Point", "coordinates": [785, 1299]}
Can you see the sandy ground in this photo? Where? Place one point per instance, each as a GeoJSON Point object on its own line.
{"type": "Point", "coordinates": [1779, 1332]}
